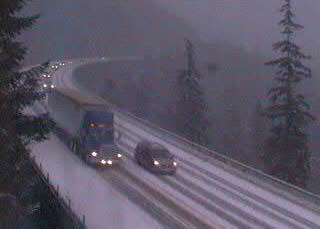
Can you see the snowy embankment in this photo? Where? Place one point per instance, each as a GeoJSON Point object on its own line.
{"type": "Point", "coordinates": [90, 194]}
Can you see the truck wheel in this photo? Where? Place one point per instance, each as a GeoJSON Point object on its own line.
{"type": "Point", "coordinates": [71, 145]}
{"type": "Point", "coordinates": [117, 135]}
{"type": "Point", "coordinates": [75, 147]}
{"type": "Point", "coordinates": [139, 162]}
{"type": "Point", "coordinates": [85, 158]}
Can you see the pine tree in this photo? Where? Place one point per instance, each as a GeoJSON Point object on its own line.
{"type": "Point", "coordinates": [18, 89]}
{"type": "Point", "coordinates": [191, 106]}
{"type": "Point", "coordinates": [286, 151]}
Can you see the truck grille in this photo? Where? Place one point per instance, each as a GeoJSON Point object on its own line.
{"type": "Point", "coordinates": [109, 149]}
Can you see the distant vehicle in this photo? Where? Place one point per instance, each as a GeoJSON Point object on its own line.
{"type": "Point", "coordinates": [92, 136]}
{"type": "Point", "coordinates": [54, 66]}
{"type": "Point", "coordinates": [46, 75]}
{"type": "Point", "coordinates": [47, 82]}
{"type": "Point", "coordinates": [57, 65]}
{"type": "Point", "coordinates": [155, 157]}
{"type": "Point", "coordinates": [47, 86]}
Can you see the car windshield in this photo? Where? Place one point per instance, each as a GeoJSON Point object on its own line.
{"type": "Point", "coordinates": [161, 154]}
{"type": "Point", "coordinates": [100, 135]}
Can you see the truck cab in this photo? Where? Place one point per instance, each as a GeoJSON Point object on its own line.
{"type": "Point", "coordinates": [95, 141]}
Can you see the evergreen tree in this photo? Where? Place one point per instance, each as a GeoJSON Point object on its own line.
{"type": "Point", "coordinates": [18, 89]}
{"type": "Point", "coordinates": [191, 106]}
{"type": "Point", "coordinates": [286, 151]}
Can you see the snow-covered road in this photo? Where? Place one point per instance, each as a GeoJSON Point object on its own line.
{"type": "Point", "coordinates": [91, 194]}
{"type": "Point", "coordinates": [239, 200]}
{"type": "Point", "coordinates": [203, 194]}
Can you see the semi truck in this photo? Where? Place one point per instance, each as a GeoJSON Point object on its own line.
{"type": "Point", "coordinates": [87, 129]}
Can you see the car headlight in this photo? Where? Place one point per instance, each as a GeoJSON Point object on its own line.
{"type": "Point", "coordinates": [109, 162]}
{"type": "Point", "coordinates": [103, 162]}
{"type": "Point", "coordinates": [119, 155]}
{"type": "Point", "coordinates": [94, 154]}
{"type": "Point", "coordinates": [156, 162]}
{"type": "Point", "coordinates": [52, 86]}
{"type": "Point", "coordinates": [175, 163]}
{"type": "Point", "coordinates": [45, 85]}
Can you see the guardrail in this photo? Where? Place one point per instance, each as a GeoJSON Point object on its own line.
{"type": "Point", "coordinates": [187, 144]}
{"type": "Point", "coordinates": [65, 202]}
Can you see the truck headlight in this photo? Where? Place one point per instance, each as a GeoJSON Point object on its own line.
{"type": "Point", "coordinates": [103, 162]}
{"type": "Point", "coordinates": [174, 163]}
{"type": "Point", "coordinates": [119, 155]}
{"type": "Point", "coordinates": [94, 154]}
{"type": "Point", "coordinates": [109, 162]}
{"type": "Point", "coordinates": [52, 86]}
{"type": "Point", "coordinates": [156, 162]}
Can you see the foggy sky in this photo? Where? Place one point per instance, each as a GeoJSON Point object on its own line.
{"type": "Point", "coordinates": [70, 24]}
{"type": "Point", "coordinates": [247, 22]}
{"type": "Point", "coordinates": [81, 28]}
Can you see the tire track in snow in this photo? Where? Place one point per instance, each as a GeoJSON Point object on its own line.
{"type": "Point", "coordinates": [249, 194]}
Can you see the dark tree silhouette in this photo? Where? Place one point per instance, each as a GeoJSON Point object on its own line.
{"type": "Point", "coordinates": [191, 106]}
{"type": "Point", "coordinates": [286, 152]}
{"type": "Point", "coordinates": [18, 90]}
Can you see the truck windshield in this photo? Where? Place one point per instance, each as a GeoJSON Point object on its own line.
{"type": "Point", "coordinates": [101, 135]}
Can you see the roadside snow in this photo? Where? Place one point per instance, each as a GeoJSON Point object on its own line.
{"type": "Point", "coordinates": [90, 194]}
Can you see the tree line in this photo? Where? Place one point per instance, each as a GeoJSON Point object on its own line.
{"type": "Point", "coordinates": [283, 149]}
{"type": "Point", "coordinates": [178, 101]}
{"type": "Point", "coordinates": [19, 184]}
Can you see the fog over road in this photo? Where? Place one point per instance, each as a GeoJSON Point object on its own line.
{"type": "Point", "coordinates": [235, 35]}
{"type": "Point", "coordinates": [71, 26]}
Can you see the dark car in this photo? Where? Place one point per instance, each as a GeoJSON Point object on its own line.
{"type": "Point", "coordinates": [155, 157]}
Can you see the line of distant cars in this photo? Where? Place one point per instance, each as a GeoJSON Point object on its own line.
{"type": "Point", "coordinates": [47, 76]}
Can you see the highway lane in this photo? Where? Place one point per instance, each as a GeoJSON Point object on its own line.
{"type": "Point", "coordinates": [281, 189]}
{"type": "Point", "coordinates": [107, 203]}
{"type": "Point", "coordinates": [133, 185]}
{"type": "Point", "coordinates": [288, 210]}
{"type": "Point", "coordinates": [210, 188]}
{"type": "Point", "coordinates": [60, 104]}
